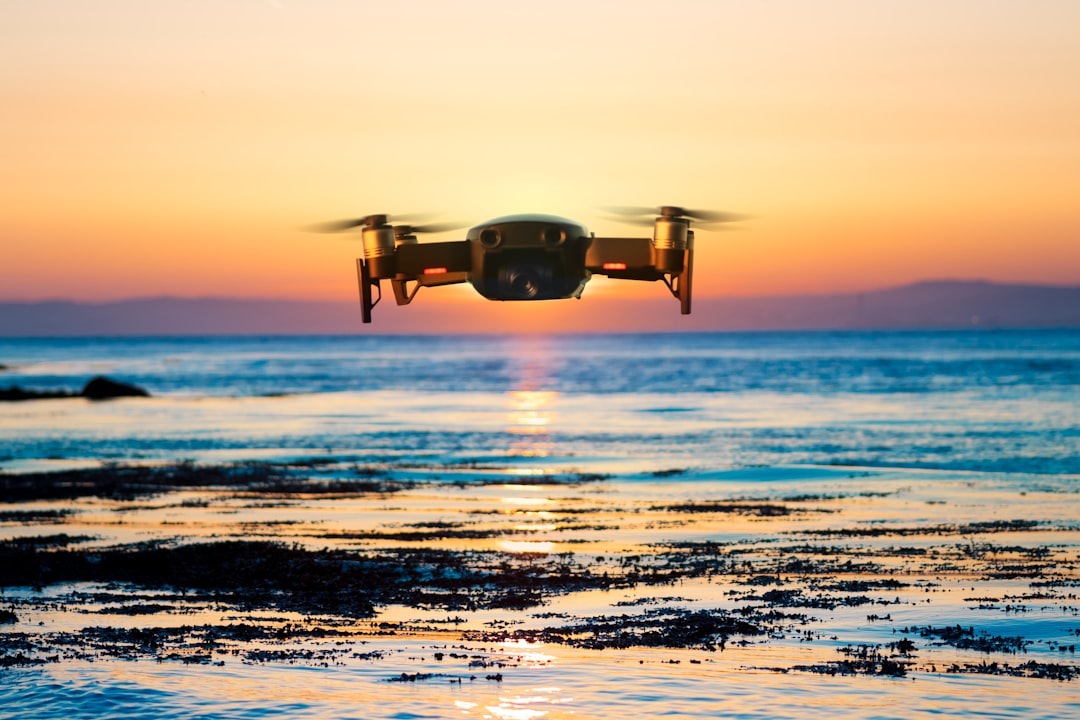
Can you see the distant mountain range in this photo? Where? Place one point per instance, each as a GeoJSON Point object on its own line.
{"type": "Point", "coordinates": [937, 304]}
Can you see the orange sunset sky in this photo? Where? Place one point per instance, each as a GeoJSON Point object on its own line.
{"type": "Point", "coordinates": [174, 147]}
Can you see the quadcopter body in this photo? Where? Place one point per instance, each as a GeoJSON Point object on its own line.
{"type": "Point", "coordinates": [525, 257]}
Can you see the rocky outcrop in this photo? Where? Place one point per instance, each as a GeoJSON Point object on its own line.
{"type": "Point", "coordinates": [98, 388]}
{"type": "Point", "coordinates": [14, 393]}
{"type": "Point", "coordinates": [103, 388]}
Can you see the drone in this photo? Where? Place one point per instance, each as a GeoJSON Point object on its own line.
{"type": "Point", "coordinates": [526, 256]}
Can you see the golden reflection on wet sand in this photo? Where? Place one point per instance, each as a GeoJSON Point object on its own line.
{"type": "Point", "coordinates": [773, 538]}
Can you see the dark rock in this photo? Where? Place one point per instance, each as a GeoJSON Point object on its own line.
{"type": "Point", "coordinates": [103, 388]}
{"type": "Point", "coordinates": [15, 393]}
{"type": "Point", "coordinates": [99, 388]}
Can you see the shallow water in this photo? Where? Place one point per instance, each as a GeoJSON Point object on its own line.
{"type": "Point", "coordinates": [566, 688]}
{"type": "Point", "coordinates": [856, 431]}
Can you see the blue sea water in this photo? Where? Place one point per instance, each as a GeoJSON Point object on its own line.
{"type": "Point", "coordinates": [876, 362]}
{"type": "Point", "coordinates": [1006, 400]}
{"type": "Point", "coordinates": [993, 408]}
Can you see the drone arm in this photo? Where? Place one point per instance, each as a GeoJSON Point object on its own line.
{"type": "Point", "coordinates": [638, 259]}
{"type": "Point", "coordinates": [427, 258]}
{"type": "Point", "coordinates": [622, 258]}
{"type": "Point", "coordinates": [429, 265]}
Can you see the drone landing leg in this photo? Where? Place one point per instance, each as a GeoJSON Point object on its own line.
{"type": "Point", "coordinates": [402, 293]}
{"type": "Point", "coordinates": [684, 280]}
{"type": "Point", "coordinates": [363, 275]}
{"type": "Point", "coordinates": [680, 284]}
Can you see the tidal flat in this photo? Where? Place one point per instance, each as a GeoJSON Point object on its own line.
{"type": "Point", "coordinates": [476, 583]}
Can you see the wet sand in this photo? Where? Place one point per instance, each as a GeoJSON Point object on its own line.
{"type": "Point", "coordinates": [467, 570]}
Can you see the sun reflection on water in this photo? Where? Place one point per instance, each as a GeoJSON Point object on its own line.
{"type": "Point", "coordinates": [530, 416]}
{"type": "Point", "coordinates": [531, 653]}
{"type": "Point", "coordinates": [529, 419]}
{"type": "Point", "coordinates": [527, 546]}
{"type": "Point", "coordinates": [507, 708]}
{"type": "Point", "coordinates": [527, 501]}
{"type": "Point", "coordinates": [527, 706]}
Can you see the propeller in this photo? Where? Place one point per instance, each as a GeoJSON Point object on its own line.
{"type": "Point", "coordinates": [336, 226]}
{"type": "Point", "coordinates": [638, 215]}
{"type": "Point", "coordinates": [428, 228]}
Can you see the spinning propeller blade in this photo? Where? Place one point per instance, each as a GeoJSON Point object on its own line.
{"type": "Point", "coordinates": [337, 226]}
{"type": "Point", "coordinates": [429, 228]}
{"type": "Point", "coordinates": [334, 226]}
{"type": "Point", "coordinates": [639, 215]}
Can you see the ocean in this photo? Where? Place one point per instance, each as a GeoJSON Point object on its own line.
{"type": "Point", "coordinates": [977, 400]}
{"type": "Point", "coordinates": [937, 457]}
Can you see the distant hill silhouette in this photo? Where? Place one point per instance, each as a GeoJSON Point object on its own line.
{"type": "Point", "coordinates": [937, 304]}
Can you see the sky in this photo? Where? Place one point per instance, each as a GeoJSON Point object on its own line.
{"type": "Point", "coordinates": [176, 147]}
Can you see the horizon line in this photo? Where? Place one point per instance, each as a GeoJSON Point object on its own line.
{"type": "Point", "coordinates": [621, 298]}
